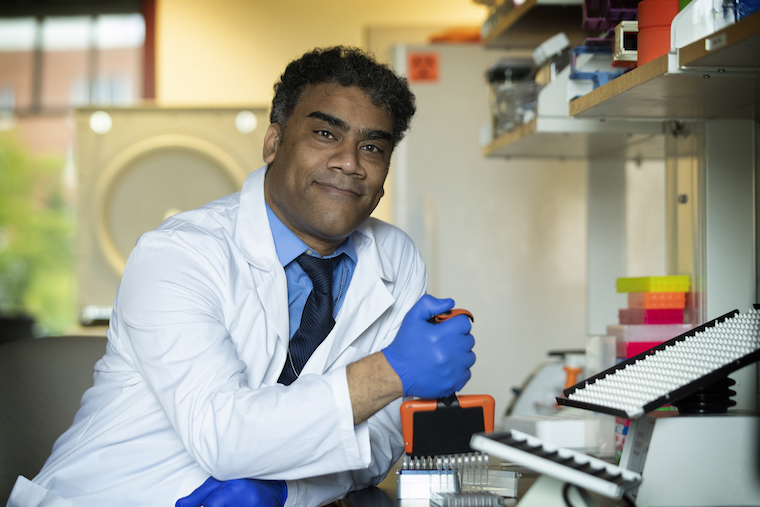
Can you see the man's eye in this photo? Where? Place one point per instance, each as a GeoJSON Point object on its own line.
{"type": "Point", "coordinates": [372, 148]}
{"type": "Point", "coordinates": [324, 133]}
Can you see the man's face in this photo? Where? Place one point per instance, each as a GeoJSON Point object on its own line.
{"type": "Point", "coordinates": [326, 173]}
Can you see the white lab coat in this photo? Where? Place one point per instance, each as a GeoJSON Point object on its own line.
{"type": "Point", "coordinates": [188, 386]}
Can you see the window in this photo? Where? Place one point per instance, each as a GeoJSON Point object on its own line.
{"type": "Point", "coordinates": [48, 66]}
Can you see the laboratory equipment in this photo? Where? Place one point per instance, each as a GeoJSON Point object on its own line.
{"type": "Point", "coordinates": [436, 433]}
{"type": "Point", "coordinates": [438, 458]}
{"type": "Point", "coordinates": [470, 499]}
{"type": "Point", "coordinates": [671, 371]}
{"type": "Point", "coordinates": [534, 409]}
{"type": "Point", "coordinates": [571, 466]}
{"type": "Point", "coordinates": [537, 395]}
{"type": "Point", "coordinates": [703, 455]}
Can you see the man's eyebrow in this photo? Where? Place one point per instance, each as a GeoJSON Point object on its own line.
{"type": "Point", "coordinates": [330, 119]}
{"type": "Point", "coordinates": [372, 134]}
{"type": "Point", "coordinates": [377, 135]}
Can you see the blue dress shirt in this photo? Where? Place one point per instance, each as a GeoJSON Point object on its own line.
{"type": "Point", "coordinates": [289, 247]}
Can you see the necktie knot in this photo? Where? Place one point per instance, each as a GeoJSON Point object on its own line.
{"type": "Point", "coordinates": [319, 271]}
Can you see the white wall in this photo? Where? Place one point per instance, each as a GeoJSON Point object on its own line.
{"type": "Point", "coordinates": [505, 238]}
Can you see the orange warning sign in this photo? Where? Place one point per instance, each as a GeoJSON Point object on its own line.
{"type": "Point", "coordinates": [423, 67]}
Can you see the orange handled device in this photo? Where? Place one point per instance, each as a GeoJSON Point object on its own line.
{"type": "Point", "coordinates": [451, 313]}
{"type": "Point", "coordinates": [445, 426]}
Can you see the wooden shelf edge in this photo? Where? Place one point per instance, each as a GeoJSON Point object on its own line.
{"type": "Point", "coordinates": [507, 21]}
{"type": "Point", "coordinates": [492, 149]}
{"type": "Point", "coordinates": [736, 33]}
{"type": "Point", "coordinates": [627, 81]}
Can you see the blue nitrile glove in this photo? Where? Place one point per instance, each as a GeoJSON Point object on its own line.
{"type": "Point", "coordinates": [432, 360]}
{"type": "Point", "coordinates": [237, 493]}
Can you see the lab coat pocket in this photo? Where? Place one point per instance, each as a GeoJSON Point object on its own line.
{"type": "Point", "coordinates": [25, 493]}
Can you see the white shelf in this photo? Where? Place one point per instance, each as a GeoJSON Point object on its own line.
{"type": "Point", "coordinates": [553, 134]}
{"type": "Point", "coordinates": [553, 141]}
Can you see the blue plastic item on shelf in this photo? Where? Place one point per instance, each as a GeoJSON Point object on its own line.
{"type": "Point", "coordinates": [597, 76]}
{"type": "Point", "coordinates": [746, 7]}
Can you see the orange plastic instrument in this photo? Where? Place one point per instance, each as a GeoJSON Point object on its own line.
{"type": "Point", "coordinates": [445, 426]}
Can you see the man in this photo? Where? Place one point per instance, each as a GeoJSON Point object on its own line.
{"type": "Point", "coordinates": [214, 387]}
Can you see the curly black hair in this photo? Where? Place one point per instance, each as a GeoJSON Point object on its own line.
{"type": "Point", "coordinates": [349, 67]}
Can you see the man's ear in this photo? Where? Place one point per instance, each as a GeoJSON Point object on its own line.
{"type": "Point", "coordinates": [271, 142]}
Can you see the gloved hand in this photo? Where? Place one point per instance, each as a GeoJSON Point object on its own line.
{"type": "Point", "coordinates": [432, 360]}
{"type": "Point", "coordinates": [237, 493]}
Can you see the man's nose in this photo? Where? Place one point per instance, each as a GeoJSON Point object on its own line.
{"type": "Point", "coordinates": [346, 158]}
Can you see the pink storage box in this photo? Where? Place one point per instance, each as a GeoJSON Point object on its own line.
{"type": "Point", "coordinates": [651, 316]}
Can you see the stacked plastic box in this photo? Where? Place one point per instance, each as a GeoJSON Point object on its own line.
{"type": "Point", "coordinates": [655, 314]}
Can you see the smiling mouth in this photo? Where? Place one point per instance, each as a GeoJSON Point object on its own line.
{"type": "Point", "coordinates": [338, 190]}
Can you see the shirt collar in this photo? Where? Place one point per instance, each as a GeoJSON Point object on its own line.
{"type": "Point", "coordinates": [289, 246]}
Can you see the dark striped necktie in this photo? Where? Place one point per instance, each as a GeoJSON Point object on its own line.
{"type": "Point", "coordinates": [316, 320]}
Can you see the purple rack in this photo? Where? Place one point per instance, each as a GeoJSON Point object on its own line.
{"type": "Point", "coordinates": [606, 14]}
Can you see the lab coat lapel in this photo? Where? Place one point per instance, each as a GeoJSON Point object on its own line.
{"type": "Point", "coordinates": [365, 301]}
{"type": "Point", "coordinates": [254, 236]}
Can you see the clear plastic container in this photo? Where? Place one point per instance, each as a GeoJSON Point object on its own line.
{"type": "Point", "coordinates": [634, 339]}
{"type": "Point", "coordinates": [513, 104]}
{"type": "Point", "coordinates": [506, 79]}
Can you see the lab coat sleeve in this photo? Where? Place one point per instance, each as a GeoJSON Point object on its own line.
{"type": "Point", "coordinates": [386, 449]}
{"type": "Point", "coordinates": [170, 312]}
